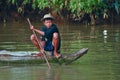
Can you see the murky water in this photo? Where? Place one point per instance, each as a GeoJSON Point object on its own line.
{"type": "Point", "coordinates": [101, 63]}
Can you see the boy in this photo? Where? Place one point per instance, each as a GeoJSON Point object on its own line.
{"type": "Point", "coordinates": [50, 39]}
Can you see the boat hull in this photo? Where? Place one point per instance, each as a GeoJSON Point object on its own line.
{"type": "Point", "coordinates": [67, 59]}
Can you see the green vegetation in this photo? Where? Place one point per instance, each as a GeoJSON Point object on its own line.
{"type": "Point", "coordinates": [73, 5]}
{"type": "Point", "coordinates": [70, 9]}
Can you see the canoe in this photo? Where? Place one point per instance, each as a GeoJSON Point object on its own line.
{"type": "Point", "coordinates": [66, 58]}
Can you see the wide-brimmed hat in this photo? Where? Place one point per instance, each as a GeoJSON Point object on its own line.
{"type": "Point", "coordinates": [47, 16]}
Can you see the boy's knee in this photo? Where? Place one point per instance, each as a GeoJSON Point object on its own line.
{"type": "Point", "coordinates": [32, 37]}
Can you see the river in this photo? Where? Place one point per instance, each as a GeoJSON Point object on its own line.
{"type": "Point", "coordinates": [102, 62]}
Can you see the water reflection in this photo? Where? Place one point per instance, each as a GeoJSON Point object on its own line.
{"type": "Point", "coordinates": [117, 35]}
{"type": "Point", "coordinates": [105, 36]}
{"type": "Point", "coordinates": [52, 75]}
{"type": "Point", "coordinates": [30, 73]}
{"type": "Point", "coordinates": [101, 63]}
{"type": "Point", "coordinates": [93, 32]}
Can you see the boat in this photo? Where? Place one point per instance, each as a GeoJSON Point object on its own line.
{"type": "Point", "coordinates": [66, 58]}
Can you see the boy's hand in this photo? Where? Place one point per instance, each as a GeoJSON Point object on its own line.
{"type": "Point", "coordinates": [32, 27]}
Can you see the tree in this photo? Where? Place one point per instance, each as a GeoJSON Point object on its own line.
{"type": "Point", "coordinates": [75, 6]}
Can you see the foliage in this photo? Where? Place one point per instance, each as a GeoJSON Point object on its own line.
{"type": "Point", "coordinates": [76, 6]}
{"type": "Point", "coordinates": [41, 4]}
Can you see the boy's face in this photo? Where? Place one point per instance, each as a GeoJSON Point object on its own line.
{"type": "Point", "coordinates": [48, 23]}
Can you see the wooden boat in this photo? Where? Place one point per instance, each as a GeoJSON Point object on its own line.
{"type": "Point", "coordinates": [67, 59]}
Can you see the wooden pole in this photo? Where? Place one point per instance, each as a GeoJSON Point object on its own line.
{"type": "Point", "coordinates": [41, 50]}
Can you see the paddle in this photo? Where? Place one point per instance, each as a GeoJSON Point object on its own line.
{"type": "Point", "coordinates": [41, 50]}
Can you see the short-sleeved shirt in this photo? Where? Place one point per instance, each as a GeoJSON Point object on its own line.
{"type": "Point", "coordinates": [48, 37]}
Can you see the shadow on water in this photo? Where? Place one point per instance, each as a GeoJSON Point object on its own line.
{"type": "Point", "coordinates": [101, 63]}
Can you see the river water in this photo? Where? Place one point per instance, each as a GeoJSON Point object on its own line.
{"type": "Point", "coordinates": [101, 63]}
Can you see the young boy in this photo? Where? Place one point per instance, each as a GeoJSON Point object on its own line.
{"type": "Point", "coordinates": [50, 39]}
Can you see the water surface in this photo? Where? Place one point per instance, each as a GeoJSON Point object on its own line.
{"type": "Point", "coordinates": [101, 63]}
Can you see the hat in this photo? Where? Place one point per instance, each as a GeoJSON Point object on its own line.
{"type": "Point", "coordinates": [47, 16]}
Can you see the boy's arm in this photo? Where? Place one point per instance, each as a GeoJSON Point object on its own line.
{"type": "Point", "coordinates": [38, 31]}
